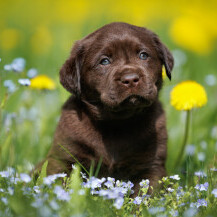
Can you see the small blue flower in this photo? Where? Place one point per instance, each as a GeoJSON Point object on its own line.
{"type": "Point", "coordinates": [7, 173]}
{"type": "Point", "coordinates": [155, 210]}
{"type": "Point", "coordinates": [137, 200]}
{"type": "Point", "coordinates": [7, 67]}
{"type": "Point", "coordinates": [51, 179]}
{"type": "Point", "coordinates": [109, 184]}
{"type": "Point", "coordinates": [214, 169]}
{"type": "Point", "coordinates": [9, 84]}
{"type": "Point", "coordinates": [80, 192]}
{"type": "Point", "coordinates": [24, 81]}
{"type": "Point", "coordinates": [190, 150]}
{"type": "Point", "coordinates": [32, 73]}
{"type": "Point", "coordinates": [190, 212]}
{"type": "Point", "coordinates": [10, 190]}
{"type": "Point", "coordinates": [36, 189]}
{"type": "Point", "coordinates": [25, 177]}
{"type": "Point", "coordinates": [214, 191]}
{"type": "Point", "coordinates": [201, 156]}
{"type": "Point", "coordinates": [210, 79]}
{"type": "Point", "coordinates": [38, 203]}
{"type": "Point", "coordinates": [61, 193]}
{"type": "Point", "coordinates": [200, 174]}
{"type": "Point", "coordinates": [18, 64]}
{"type": "Point", "coordinates": [214, 132]}
{"type": "Point", "coordinates": [144, 183]}
{"type": "Point", "coordinates": [4, 174]}
{"type": "Point", "coordinates": [201, 202]}
{"type": "Point", "coordinates": [174, 212]}
{"type": "Point", "coordinates": [54, 205]}
{"type": "Point", "coordinates": [4, 200]}
{"type": "Point", "coordinates": [202, 187]}
{"type": "Point", "coordinates": [175, 177]}
{"type": "Point", "coordinates": [118, 202]}
{"type": "Point", "coordinates": [94, 183]}
{"type": "Point", "coordinates": [203, 144]}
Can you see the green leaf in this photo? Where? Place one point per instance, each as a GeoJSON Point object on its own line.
{"type": "Point", "coordinates": [43, 173]}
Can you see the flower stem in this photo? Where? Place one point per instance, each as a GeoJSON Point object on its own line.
{"type": "Point", "coordinates": [187, 123]}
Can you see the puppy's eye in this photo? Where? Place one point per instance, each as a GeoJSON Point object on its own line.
{"type": "Point", "coordinates": [143, 55]}
{"type": "Point", "coordinates": [105, 61]}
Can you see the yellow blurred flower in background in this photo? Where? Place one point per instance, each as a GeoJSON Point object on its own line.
{"type": "Point", "coordinates": [42, 82]}
{"type": "Point", "coordinates": [41, 40]}
{"type": "Point", "coordinates": [188, 95]}
{"type": "Point", "coordinates": [190, 33]}
{"type": "Point", "coordinates": [9, 38]}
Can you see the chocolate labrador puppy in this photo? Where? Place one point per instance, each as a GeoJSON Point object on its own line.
{"type": "Point", "coordinates": [114, 75]}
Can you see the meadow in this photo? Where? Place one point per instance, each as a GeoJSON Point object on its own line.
{"type": "Point", "coordinates": [35, 39]}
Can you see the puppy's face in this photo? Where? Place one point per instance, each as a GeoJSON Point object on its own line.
{"type": "Point", "coordinates": [117, 68]}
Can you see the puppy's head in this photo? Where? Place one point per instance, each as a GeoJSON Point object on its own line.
{"type": "Point", "coordinates": [117, 68]}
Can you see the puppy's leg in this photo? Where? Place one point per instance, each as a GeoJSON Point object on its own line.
{"type": "Point", "coordinates": [156, 174]}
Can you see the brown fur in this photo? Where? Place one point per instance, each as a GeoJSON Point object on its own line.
{"type": "Point", "coordinates": [114, 112]}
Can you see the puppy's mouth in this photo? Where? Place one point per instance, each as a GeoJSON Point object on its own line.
{"type": "Point", "coordinates": [132, 103]}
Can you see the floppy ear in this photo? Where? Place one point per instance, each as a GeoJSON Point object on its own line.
{"type": "Point", "coordinates": [71, 70]}
{"type": "Point", "coordinates": [165, 56]}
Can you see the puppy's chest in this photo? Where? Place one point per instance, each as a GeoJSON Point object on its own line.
{"type": "Point", "coordinates": [125, 145]}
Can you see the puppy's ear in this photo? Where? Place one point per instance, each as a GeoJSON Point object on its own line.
{"type": "Point", "coordinates": [71, 70]}
{"type": "Point", "coordinates": [164, 55]}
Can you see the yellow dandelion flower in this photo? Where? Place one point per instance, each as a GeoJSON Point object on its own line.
{"type": "Point", "coordinates": [187, 95]}
{"type": "Point", "coordinates": [42, 82]}
{"type": "Point", "coordinates": [164, 75]}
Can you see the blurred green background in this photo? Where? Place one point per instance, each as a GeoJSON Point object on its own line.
{"type": "Point", "coordinates": [43, 33]}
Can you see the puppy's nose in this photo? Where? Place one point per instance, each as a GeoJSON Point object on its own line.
{"type": "Point", "coordinates": [130, 80]}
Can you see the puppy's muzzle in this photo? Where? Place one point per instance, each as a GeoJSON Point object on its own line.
{"type": "Point", "coordinates": [130, 80]}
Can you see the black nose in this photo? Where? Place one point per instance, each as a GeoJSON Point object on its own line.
{"type": "Point", "coordinates": [130, 80]}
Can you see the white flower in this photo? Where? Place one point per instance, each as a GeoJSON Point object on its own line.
{"type": "Point", "coordinates": [175, 177]}
{"type": "Point", "coordinates": [24, 81]}
{"type": "Point", "coordinates": [170, 189]}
